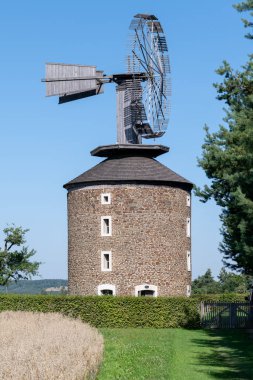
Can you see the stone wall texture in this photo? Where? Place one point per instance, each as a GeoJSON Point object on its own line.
{"type": "Point", "coordinates": [149, 242]}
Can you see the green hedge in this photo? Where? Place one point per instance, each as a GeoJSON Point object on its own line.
{"type": "Point", "coordinates": [108, 311]}
{"type": "Point", "coordinates": [161, 312]}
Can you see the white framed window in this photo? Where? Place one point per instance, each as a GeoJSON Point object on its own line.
{"type": "Point", "coordinates": [188, 255]}
{"type": "Point", "coordinates": [146, 290]}
{"type": "Point", "coordinates": [188, 200]}
{"type": "Point", "coordinates": [106, 290]}
{"type": "Point", "coordinates": [188, 227]}
{"type": "Point", "coordinates": [106, 226]}
{"type": "Point", "coordinates": [105, 198]}
{"type": "Point", "coordinates": [188, 290]}
{"type": "Point", "coordinates": [106, 261]}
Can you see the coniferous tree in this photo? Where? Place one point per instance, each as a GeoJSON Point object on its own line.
{"type": "Point", "coordinates": [205, 284]}
{"type": "Point", "coordinates": [227, 159]}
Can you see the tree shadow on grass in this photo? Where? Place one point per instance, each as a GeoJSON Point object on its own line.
{"type": "Point", "coordinates": [226, 354]}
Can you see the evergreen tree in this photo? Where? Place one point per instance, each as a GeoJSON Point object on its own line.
{"type": "Point", "coordinates": [205, 284]}
{"type": "Point", "coordinates": [227, 159]}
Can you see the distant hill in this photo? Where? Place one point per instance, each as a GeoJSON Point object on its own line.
{"type": "Point", "coordinates": [36, 287]}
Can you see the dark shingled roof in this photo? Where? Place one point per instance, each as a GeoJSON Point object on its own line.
{"type": "Point", "coordinates": [129, 169]}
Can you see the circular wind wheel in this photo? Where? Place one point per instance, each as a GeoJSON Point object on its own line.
{"type": "Point", "coordinates": [148, 54]}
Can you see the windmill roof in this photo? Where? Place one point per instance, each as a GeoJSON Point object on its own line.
{"type": "Point", "coordinates": [146, 150]}
{"type": "Point", "coordinates": [128, 169]}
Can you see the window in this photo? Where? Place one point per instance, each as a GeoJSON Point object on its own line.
{"type": "Point", "coordinates": [188, 227]}
{"type": "Point", "coordinates": [106, 226]}
{"type": "Point", "coordinates": [106, 290]}
{"type": "Point", "coordinates": [188, 200]}
{"type": "Point", "coordinates": [106, 199]}
{"type": "Point", "coordinates": [106, 261]}
{"type": "Point", "coordinates": [188, 261]}
{"type": "Point", "coordinates": [188, 290]}
{"type": "Point", "coordinates": [146, 290]}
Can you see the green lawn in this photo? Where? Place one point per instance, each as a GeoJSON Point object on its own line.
{"type": "Point", "coordinates": [176, 354]}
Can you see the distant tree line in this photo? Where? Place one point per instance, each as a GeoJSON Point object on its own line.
{"type": "Point", "coordinates": [36, 286]}
{"type": "Point", "coordinates": [227, 282]}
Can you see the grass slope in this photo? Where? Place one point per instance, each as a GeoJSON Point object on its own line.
{"type": "Point", "coordinates": [176, 354]}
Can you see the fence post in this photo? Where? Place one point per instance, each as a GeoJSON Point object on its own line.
{"type": "Point", "coordinates": [233, 315]}
{"type": "Point", "coordinates": [251, 308]}
{"type": "Point", "coordinates": [202, 312]}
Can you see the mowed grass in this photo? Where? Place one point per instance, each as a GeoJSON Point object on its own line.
{"type": "Point", "coordinates": [176, 354]}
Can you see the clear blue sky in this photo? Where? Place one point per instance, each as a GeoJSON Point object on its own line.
{"type": "Point", "coordinates": [44, 145]}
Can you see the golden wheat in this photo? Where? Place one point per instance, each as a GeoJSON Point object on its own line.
{"type": "Point", "coordinates": [38, 346]}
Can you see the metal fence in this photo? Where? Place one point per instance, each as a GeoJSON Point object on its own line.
{"type": "Point", "coordinates": [226, 315]}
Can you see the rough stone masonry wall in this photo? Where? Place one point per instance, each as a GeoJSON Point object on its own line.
{"type": "Point", "coordinates": [148, 243]}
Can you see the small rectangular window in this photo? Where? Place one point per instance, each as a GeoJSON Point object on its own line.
{"type": "Point", "coordinates": [188, 227]}
{"type": "Point", "coordinates": [188, 200]}
{"type": "Point", "coordinates": [106, 199]}
{"type": "Point", "coordinates": [188, 290]}
{"type": "Point", "coordinates": [106, 226]}
{"type": "Point", "coordinates": [106, 261]}
{"type": "Point", "coordinates": [188, 261]}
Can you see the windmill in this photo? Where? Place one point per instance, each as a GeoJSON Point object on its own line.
{"type": "Point", "coordinates": [126, 232]}
{"type": "Point", "coordinates": [142, 92]}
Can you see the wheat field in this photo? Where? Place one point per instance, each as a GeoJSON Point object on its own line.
{"type": "Point", "coordinates": [38, 346]}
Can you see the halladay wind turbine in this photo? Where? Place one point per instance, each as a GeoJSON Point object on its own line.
{"type": "Point", "coordinates": [142, 92]}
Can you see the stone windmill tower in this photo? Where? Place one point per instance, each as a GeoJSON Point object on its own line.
{"type": "Point", "coordinates": [129, 216]}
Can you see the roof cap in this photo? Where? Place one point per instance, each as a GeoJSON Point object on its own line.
{"type": "Point", "coordinates": [143, 150]}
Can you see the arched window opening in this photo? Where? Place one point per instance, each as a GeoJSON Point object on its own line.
{"type": "Point", "coordinates": [146, 290]}
{"type": "Point", "coordinates": [146, 293]}
{"type": "Point", "coordinates": [106, 290]}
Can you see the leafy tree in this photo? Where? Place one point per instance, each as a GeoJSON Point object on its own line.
{"type": "Point", "coordinates": [205, 284]}
{"type": "Point", "coordinates": [232, 282]}
{"type": "Point", "coordinates": [227, 159]}
{"type": "Point", "coordinates": [15, 263]}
